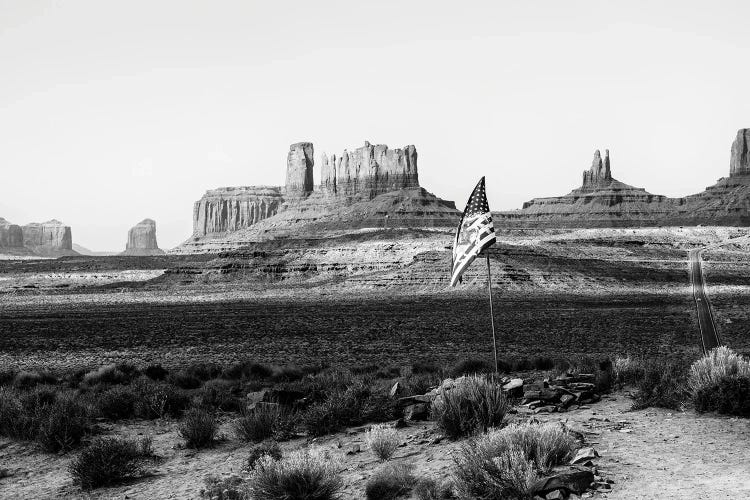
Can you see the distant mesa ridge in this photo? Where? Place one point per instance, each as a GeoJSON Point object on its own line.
{"type": "Point", "coordinates": [603, 201]}
{"type": "Point", "coordinates": [347, 181]}
{"type": "Point", "coordinates": [48, 239]}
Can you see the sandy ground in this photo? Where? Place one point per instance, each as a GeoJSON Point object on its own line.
{"type": "Point", "coordinates": [648, 454]}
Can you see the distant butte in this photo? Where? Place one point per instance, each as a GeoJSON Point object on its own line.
{"type": "Point", "coordinates": [603, 201]}
{"type": "Point", "coordinates": [370, 186]}
{"type": "Point", "coordinates": [142, 239]}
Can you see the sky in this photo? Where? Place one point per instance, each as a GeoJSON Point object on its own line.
{"type": "Point", "coordinates": [115, 111]}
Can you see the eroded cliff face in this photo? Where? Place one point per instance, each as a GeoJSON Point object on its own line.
{"type": "Point", "coordinates": [600, 174]}
{"type": "Point", "coordinates": [299, 170]}
{"type": "Point", "coordinates": [370, 170]}
{"type": "Point", "coordinates": [739, 163]}
{"type": "Point", "coordinates": [11, 235]}
{"type": "Point", "coordinates": [142, 239]}
{"type": "Point", "coordinates": [51, 238]}
{"type": "Point", "coordinates": [233, 208]}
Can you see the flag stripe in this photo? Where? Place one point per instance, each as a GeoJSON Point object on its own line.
{"type": "Point", "coordinates": [474, 234]}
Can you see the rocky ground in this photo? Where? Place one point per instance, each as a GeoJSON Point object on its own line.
{"type": "Point", "coordinates": [646, 454]}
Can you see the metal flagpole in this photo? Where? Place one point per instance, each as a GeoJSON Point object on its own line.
{"type": "Point", "coordinates": [492, 316]}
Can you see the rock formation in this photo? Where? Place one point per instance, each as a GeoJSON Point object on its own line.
{"type": "Point", "coordinates": [371, 186]}
{"type": "Point", "coordinates": [51, 238]}
{"type": "Point", "coordinates": [142, 239]}
{"type": "Point", "coordinates": [11, 235]}
{"type": "Point", "coordinates": [233, 208]}
{"type": "Point", "coordinates": [370, 170]}
{"type": "Point", "coordinates": [599, 175]}
{"type": "Point", "coordinates": [739, 164]}
{"type": "Point", "coordinates": [299, 170]}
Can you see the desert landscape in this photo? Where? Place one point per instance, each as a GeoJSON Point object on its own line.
{"type": "Point", "coordinates": [237, 295]}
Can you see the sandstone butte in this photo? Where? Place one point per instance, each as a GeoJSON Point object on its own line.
{"type": "Point", "coordinates": [47, 239]}
{"type": "Point", "coordinates": [142, 239]}
{"type": "Point", "coordinates": [371, 186]}
{"type": "Point", "coordinates": [603, 201]}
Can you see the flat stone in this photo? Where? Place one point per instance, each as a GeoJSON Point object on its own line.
{"type": "Point", "coordinates": [584, 455]}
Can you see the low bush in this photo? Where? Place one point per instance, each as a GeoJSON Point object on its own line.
{"type": "Point", "coordinates": [302, 474]}
{"type": "Point", "coordinates": [156, 372]}
{"type": "Point", "coordinates": [663, 385]}
{"type": "Point", "coordinates": [228, 488]}
{"type": "Point", "coordinates": [184, 380]}
{"type": "Point", "coordinates": [266, 448]}
{"type": "Point", "coordinates": [432, 489]}
{"type": "Point", "coordinates": [109, 460]}
{"type": "Point", "coordinates": [117, 402]}
{"type": "Point", "coordinates": [419, 367]}
{"type": "Point", "coordinates": [203, 371]}
{"type": "Point", "coordinates": [351, 406]}
{"type": "Point", "coordinates": [543, 363]}
{"type": "Point", "coordinates": [220, 395]}
{"type": "Point", "coordinates": [158, 399]}
{"type": "Point", "coordinates": [7, 376]}
{"type": "Point", "coordinates": [473, 404]}
{"type": "Point", "coordinates": [505, 463]}
{"type": "Point", "coordinates": [247, 370]}
{"type": "Point", "coordinates": [266, 420]}
{"type": "Point", "coordinates": [63, 424]}
{"type": "Point", "coordinates": [382, 440]}
{"type": "Point", "coordinates": [628, 370]}
{"type": "Point", "coordinates": [122, 373]}
{"type": "Point", "coordinates": [729, 395]}
{"type": "Point", "coordinates": [13, 416]}
{"type": "Point", "coordinates": [471, 367]}
{"type": "Point", "coordinates": [198, 428]}
{"type": "Point", "coordinates": [390, 482]}
{"type": "Point", "coordinates": [716, 365]}
{"type": "Point", "coordinates": [29, 379]}
{"type": "Point", "coordinates": [419, 383]}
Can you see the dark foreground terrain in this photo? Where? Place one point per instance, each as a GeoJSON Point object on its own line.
{"type": "Point", "coordinates": [343, 330]}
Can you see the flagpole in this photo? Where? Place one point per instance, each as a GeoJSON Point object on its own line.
{"type": "Point", "coordinates": [492, 316]}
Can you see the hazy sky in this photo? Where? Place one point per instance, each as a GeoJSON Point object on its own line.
{"type": "Point", "coordinates": [111, 112]}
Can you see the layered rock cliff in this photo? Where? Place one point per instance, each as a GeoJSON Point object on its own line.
{"type": "Point", "coordinates": [11, 235]}
{"type": "Point", "coordinates": [233, 208]}
{"type": "Point", "coordinates": [51, 238]}
{"type": "Point", "coordinates": [299, 170]}
{"type": "Point", "coordinates": [739, 163]}
{"type": "Point", "coordinates": [142, 239]}
{"type": "Point", "coordinates": [599, 175]}
{"type": "Point", "coordinates": [370, 170]}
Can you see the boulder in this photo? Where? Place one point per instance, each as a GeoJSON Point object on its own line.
{"type": "Point", "coordinates": [142, 239]}
{"type": "Point", "coordinates": [514, 388]}
{"type": "Point", "coordinates": [573, 481]}
{"type": "Point", "coordinates": [584, 455]}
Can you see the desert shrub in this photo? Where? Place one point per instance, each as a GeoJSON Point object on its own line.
{"type": "Point", "coordinates": [419, 383]}
{"type": "Point", "coordinates": [716, 365]}
{"type": "Point", "coordinates": [419, 367]}
{"type": "Point", "coordinates": [389, 372]}
{"type": "Point", "coordinates": [198, 428]}
{"type": "Point", "coordinates": [604, 376]}
{"type": "Point", "coordinates": [729, 395]}
{"type": "Point", "coordinates": [432, 489]}
{"type": "Point", "coordinates": [13, 416]}
{"type": "Point", "coordinates": [351, 406]}
{"type": "Point", "coordinates": [266, 420]}
{"type": "Point", "coordinates": [390, 482]}
{"type": "Point", "coordinates": [228, 488]}
{"type": "Point", "coordinates": [219, 395]}
{"type": "Point", "coordinates": [627, 370]}
{"type": "Point", "coordinates": [382, 440]}
{"type": "Point", "coordinates": [522, 365]}
{"type": "Point", "coordinates": [663, 385]}
{"type": "Point", "coordinates": [156, 372]}
{"type": "Point", "coordinates": [63, 424]}
{"type": "Point", "coordinates": [290, 373]}
{"type": "Point", "coordinates": [109, 460]}
{"type": "Point", "coordinates": [117, 402]}
{"type": "Point", "coordinates": [473, 404]}
{"type": "Point", "coordinates": [203, 371]}
{"type": "Point", "coordinates": [543, 363]}
{"type": "Point", "coordinates": [122, 373]}
{"type": "Point", "coordinates": [505, 463]}
{"type": "Point", "coordinates": [28, 379]}
{"type": "Point", "coordinates": [301, 474]}
{"type": "Point", "coordinates": [157, 399]}
{"type": "Point", "coordinates": [470, 367]}
{"type": "Point", "coordinates": [246, 370]}
{"type": "Point", "coordinates": [365, 369]}
{"type": "Point", "coordinates": [184, 380]}
{"type": "Point", "coordinates": [319, 386]}
{"type": "Point", "coordinates": [7, 376]}
{"type": "Point", "coordinates": [266, 448]}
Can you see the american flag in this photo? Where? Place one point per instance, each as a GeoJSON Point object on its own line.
{"type": "Point", "coordinates": [475, 232]}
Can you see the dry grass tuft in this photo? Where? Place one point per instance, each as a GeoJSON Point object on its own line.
{"type": "Point", "coordinates": [382, 440]}
{"type": "Point", "coordinates": [717, 364]}
{"type": "Point", "coordinates": [301, 474]}
{"type": "Point", "coordinates": [473, 404]}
